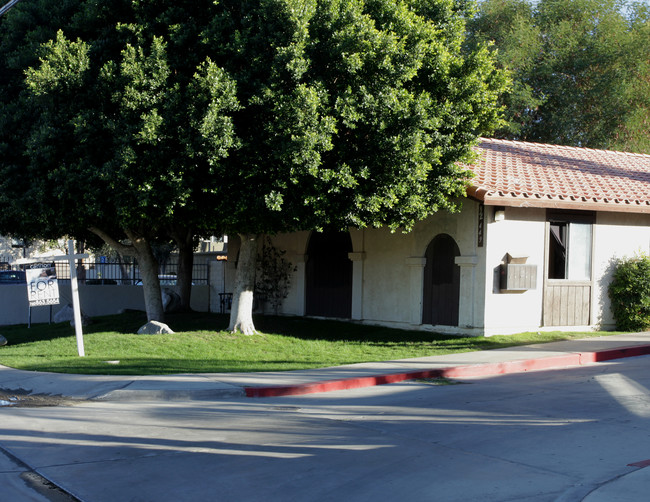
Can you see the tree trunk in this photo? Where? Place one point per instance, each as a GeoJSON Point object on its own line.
{"type": "Point", "coordinates": [124, 272]}
{"type": "Point", "coordinates": [241, 314]}
{"type": "Point", "coordinates": [141, 248]}
{"type": "Point", "coordinates": [150, 281]}
{"type": "Point", "coordinates": [185, 243]}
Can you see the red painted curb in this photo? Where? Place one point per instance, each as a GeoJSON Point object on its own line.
{"type": "Point", "coordinates": [472, 370]}
{"type": "Point", "coordinates": [618, 353]}
{"type": "Point", "coordinates": [642, 464]}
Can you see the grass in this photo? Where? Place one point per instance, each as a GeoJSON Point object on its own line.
{"type": "Point", "coordinates": [201, 345]}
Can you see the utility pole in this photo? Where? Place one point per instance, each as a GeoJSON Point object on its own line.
{"type": "Point", "coordinates": [8, 6]}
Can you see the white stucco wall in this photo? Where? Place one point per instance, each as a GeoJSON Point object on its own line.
{"type": "Point", "coordinates": [387, 278]}
{"type": "Point", "coordinates": [388, 271]}
{"type": "Point", "coordinates": [295, 246]}
{"type": "Point", "coordinates": [388, 268]}
{"type": "Point", "coordinates": [520, 234]}
{"type": "Point", "coordinates": [394, 271]}
{"type": "Point", "coordinates": [616, 235]}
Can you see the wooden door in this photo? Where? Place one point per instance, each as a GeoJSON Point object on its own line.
{"type": "Point", "coordinates": [441, 282]}
{"type": "Point", "coordinates": [328, 278]}
{"type": "Point", "coordinates": [567, 303]}
{"type": "Point", "coordinates": [568, 278]}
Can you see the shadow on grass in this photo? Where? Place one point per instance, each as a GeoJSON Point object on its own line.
{"type": "Point", "coordinates": [297, 327]}
{"type": "Point", "coordinates": [377, 336]}
{"type": "Point", "coordinates": [137, 366]}
{"type": "Point", "coordinates": [125, 323]}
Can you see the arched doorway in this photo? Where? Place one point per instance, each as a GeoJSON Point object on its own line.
{"type": "Point", "coordinates": [441, 282]}
{"type": "Point", "coordinates": [328, 275]}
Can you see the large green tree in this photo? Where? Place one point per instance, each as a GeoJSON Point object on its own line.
{"type": "Point", "coordinates": [113, 119]}
{"type": "Point", "coordinates": [260, 116]}
{"type": "Point", "coordinates": [352, 113]}
{"type": "Point", "coordinates": [580, 70]}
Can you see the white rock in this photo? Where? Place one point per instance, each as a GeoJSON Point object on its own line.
{"type": "Point", "coordinates": [154, 328]}
{"type": "Point", "coordinates": [67, 314]}
{"type": "Point", "coordinates": [3, 341]}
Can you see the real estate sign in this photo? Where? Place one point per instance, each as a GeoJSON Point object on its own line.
{"type": "Point", "coordinates": [42, 286]}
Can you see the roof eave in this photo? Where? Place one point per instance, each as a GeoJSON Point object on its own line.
{"type": "Point", "coordinates": [491, 199]}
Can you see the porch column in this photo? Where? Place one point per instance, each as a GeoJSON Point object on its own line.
{"type": "Point", "coordinates": [466, 309]}
{"type": "Point", "coordinates": [357, 284]}
{"type": "Point", "coordinates": [300, 260]}
{"type": "Point", "coordinates": [416, 265]}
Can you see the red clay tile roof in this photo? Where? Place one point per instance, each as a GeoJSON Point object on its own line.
{"type": "Point", "coordinates": [514, 173]}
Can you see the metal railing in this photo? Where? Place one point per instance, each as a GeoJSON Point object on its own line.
{"type": "Point", "coordinates": [127, 273]}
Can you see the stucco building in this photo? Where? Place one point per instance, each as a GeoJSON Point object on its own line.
{"type": "Point", "coordinates": [532, 249]}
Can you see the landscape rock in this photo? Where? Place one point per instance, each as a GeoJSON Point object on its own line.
{"type": "Point", "coordinates": [67, 314]}
{"type": "Point", "coordinates": [154, 328]}
{"type": "Point", "coordinates": [3, 341]}
{"type": "Point", "coordinates": [171, 300]}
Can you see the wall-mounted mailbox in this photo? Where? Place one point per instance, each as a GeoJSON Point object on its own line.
{"type": "Point", "coordinates": [517, 275]}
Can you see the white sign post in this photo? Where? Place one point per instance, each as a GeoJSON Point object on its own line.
{"type": "Point", "coordinates": [71, 258]}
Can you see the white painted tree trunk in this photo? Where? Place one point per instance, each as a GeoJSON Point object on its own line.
{"type": "Point", "coordinates": [241, 313]}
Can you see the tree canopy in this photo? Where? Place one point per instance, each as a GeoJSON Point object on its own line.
{"type": "Point", "coordinates": [134, 117]}
{"type": "Point", "coordinates": [352, 113]}
{"type": "Point", "coordinates": [580, 70]}
{"type": "Point", "coordinates": [112, 122]}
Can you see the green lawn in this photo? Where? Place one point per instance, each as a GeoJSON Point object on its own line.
{"type": "Point", "coordinates": [200, 345]}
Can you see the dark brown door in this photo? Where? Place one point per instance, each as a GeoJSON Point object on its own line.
{"type": "Point", "coordinates": [441, 282]}
{"type": "Point", "coordinates": [329, 275]}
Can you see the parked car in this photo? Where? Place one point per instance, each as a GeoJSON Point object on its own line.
{"type": "Point", "coordinates": [12, 277]}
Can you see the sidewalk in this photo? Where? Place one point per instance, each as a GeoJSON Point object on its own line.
{"type": "Point", "coordinates": [225, 385]}
{"type": "Point", "coordinates": [630, 487]}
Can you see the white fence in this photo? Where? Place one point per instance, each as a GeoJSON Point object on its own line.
{"type": "Point", "coordinates": [97, 300]}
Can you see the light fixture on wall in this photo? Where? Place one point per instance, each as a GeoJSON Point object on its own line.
{"type": "Point", "coordinates": [499, 213]}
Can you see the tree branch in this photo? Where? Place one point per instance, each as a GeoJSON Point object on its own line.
{"type": "Point", "coordinates": [123, 249]}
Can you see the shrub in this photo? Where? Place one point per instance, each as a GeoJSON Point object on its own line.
{"type": "Point", "coordinates": [629, 293]}
{"type": "Point", "coordinates": [273, 275]}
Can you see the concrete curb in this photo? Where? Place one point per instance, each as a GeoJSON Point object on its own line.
{"type": "Point", "coordinates": [462, 371]}
{"type": "Point", "coordinates": [223, 386]}
{"type": "Point", "coordinates": [169, 395]}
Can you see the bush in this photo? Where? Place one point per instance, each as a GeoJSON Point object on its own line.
{"type": "Point", "coordinates": [629, 293]}
{"type": "Point", "coordinates": [273, 275]}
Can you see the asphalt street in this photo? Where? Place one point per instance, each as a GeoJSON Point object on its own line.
{"type": "Point", "coordinates": [563, 435]}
